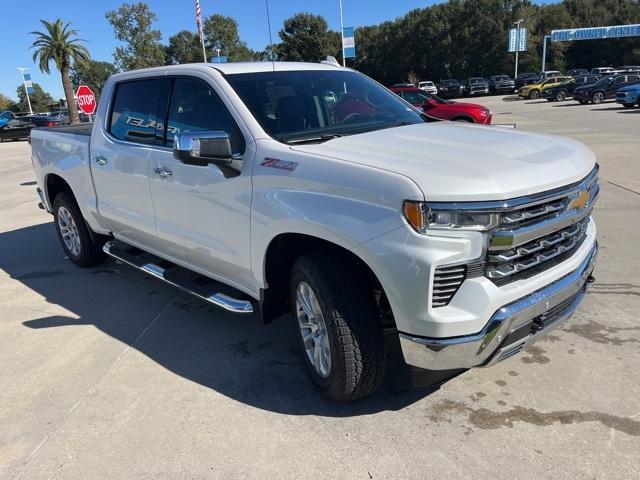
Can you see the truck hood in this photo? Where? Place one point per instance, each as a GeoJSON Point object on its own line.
{"type": "Point", "coordinates": [450, 161]}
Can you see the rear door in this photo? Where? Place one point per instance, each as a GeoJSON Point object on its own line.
{"type": "Point", "coordinates": [203, 212]}
{"type": "Point", "coordinates": [120, 160]}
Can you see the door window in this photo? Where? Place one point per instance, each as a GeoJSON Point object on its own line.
{"type": "Point", "coordinates": [195, 106]}
{"type": "Point", "coordinates": [134, 109]}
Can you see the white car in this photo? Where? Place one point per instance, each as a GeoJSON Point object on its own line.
{"type": "Point", "coordinates": [428, 87]}
{"type": "Point", "coordinates": [308, 189]}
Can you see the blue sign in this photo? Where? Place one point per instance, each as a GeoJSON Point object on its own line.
{"type": "Point", "coordinates": [220, 59]}
{"type": "Point", "coordinates": [348, 42]}
{"type": "Point", "coordinates": [26, 76]}
{"type": "Point", "coordinates": [518, 40]}
{"type": "Point", "coordinates": [595, 33]}
{"type": "Point", "coordinates": [30, 90]}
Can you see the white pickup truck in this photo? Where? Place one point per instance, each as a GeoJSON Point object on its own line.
{"type": "Point", "coordinates": [312, 189]}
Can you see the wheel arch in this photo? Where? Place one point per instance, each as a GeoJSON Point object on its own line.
{"type": "Point", "coordinates": [280, 256]}
{"type": "Point", "coordinates": [54, 184]}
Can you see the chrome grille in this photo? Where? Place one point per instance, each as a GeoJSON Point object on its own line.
{"type": "Point", "coordinates": [510, 262]}
{"type": "Point", "coordinates": [446, 282]}
{"type": "Point", "coordinates": [536, 236]}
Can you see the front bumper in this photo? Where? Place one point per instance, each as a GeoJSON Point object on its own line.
{"type": "Point", "coordinates": [626, 98]}
{"type": "Point", "coordinates": [510, 330]}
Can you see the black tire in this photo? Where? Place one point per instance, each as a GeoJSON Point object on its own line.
{"type": "Point", "coordinates": [628, 105]}
{"type": "Point", "coordinates": [353, 326]}
{"type": "Point", "coordinates": [90, 247]}
{"type": "Point", "coordinates": [598, 98]}
{"type": "Point", "coordinates": [534, 94]}
{"type": "Point", "coordinates": [462, 119]}
{"type": "Point", "coordinates": [561, 96]}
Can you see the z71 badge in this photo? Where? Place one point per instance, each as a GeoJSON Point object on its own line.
{"type": "Point", "coordinates": [280, 164]}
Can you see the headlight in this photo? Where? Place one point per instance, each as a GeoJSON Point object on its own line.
{"type": "Point", "coordinates": [422, 218]}
{"type": "Point", "coordinates": [485, 113]}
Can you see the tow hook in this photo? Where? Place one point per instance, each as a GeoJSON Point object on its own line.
{"type": "Point", "coordinates": [591, 279]}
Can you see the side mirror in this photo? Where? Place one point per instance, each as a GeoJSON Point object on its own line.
{"type": "Point", "coordinates": [430, 102]}
{"type": "Point", "coordinates": [203, 148]}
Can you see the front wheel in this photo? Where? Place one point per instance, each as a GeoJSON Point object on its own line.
{"type": "Point", "coordinates": [598, 98]}
{"type": "Point", "coordinates": [338, 327]}
{"type": "Point", "coordinates": [561, 96]}
{"type": "Point", "coordinates": [73, 233]}
{"type": "Point", "coordinates": [628, 105]}
{"type": "Point", "coordinates": [534, 95]}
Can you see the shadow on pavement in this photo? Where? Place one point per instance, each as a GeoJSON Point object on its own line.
{"type": "Point", "coordinates": [234, 355]}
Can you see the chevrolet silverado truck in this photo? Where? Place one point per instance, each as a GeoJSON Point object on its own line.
{"type": "Point", "coordinates": [310, 189]}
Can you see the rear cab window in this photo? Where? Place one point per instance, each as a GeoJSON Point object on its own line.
{"type": "Point", "coordinates": [134, 110]}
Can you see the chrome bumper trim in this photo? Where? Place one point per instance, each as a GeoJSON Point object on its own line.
{"type": "Point", "coordinates": [492, 344]}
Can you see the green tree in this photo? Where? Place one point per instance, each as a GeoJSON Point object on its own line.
{"type": "Point", "coordinates": [221, 33]}
{"type": "Point", "coordinates": [41, 101]}
{"type": "Point", "coordinates": [306, 37]}
{"type": "Point", "coordinates": [133, 25]}
{"type": "Point", "coordinates": [6, 103]}
{"type": "Point", "coordinates": [59, 43]}
{"type": "Point", "coordinates": [184, 47]}
{"type": "Point", "coordinates": [92, 73]}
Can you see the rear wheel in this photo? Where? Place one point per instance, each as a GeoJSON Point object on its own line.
{"type": "Point", "coordinates": [73, 233]}
{"type": "Point", "coordinates": [534, 94]}
{"type": "Point", "coordinates": [598, 98]}
{"type": "Point", "coordinates": [561, 96]}
{"type": "Point", "coordinates": [338, 326]}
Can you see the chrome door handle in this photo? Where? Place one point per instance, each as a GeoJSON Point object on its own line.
{"type": "Point", "coordinates": [163, 172]}
{"type": "Point", "coordinates": [100, 160]}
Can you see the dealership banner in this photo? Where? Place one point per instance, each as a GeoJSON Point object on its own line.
{"type": "Point", "coordinates": [518, 40]}
{"type": "Point", "coordinates": [595, 33]}
{"type": "Point", "coordinates": [348, 42]}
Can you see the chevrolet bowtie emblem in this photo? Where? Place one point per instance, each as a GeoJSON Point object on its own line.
{"type": "Point", "coordinates": [580, 201]}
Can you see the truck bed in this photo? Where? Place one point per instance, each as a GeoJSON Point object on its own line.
{"type": "Point", "coordinates": [76, 129]}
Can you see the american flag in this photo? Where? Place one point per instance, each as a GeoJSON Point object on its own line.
{"type": "Point", "coordinates": [199, 20]}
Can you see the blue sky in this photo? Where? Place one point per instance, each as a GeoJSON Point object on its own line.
{"type": "Point", "coordinates": [22, 16]}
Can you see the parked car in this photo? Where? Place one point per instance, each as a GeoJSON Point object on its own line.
{"type": "Point", "coordinates": [526, 79]}
{"type": "Point", "coordinates": [474, 86]}
{"type": "Point", "coordinates": [577, 72]}
{"type": "Point", "coordinates": [629, 68]}
{"type": "Point", "coordinates": [550, 74]}
{"type": "Point", "coordinates": [629, 96]}
{"type": "Point", "coordinates": [62, 117]}
{"type": "Point", "coordinates": [602, 70]}
{"type": "Point", "coordinates": [450, 89]}
{"type": "Point", "coordinates": [561, 92]}
{"type": "Point", "coordinates": [534, 90]}
{"type": "Point", "coordinates": [501, 84]}
{"type": "Point", "coordinates": [464, 244]}
{"type": "Point", "coordinates": [604, 88]}
{"type": "Point", "coordinates": [15, 128]}
{"type": "Point", "coordinates": [42, 121]}
{"type": "Point", "coordinates": [5, 117]}
{"type": "Point", "coordinates": [437, 107]}
{"type": "Point", "coordinates": [400, 85]}
{"type": "Point", "coordinates": [428, 87]}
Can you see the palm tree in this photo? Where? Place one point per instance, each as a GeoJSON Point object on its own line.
{"type": "Point", "coordinates": [60, 44]}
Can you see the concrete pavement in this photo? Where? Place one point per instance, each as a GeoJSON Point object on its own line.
{"type": "Point", "coordinates": [107, 373]}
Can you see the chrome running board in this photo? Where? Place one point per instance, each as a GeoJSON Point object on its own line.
{"type": "Point", "coordinates": [205, 288]}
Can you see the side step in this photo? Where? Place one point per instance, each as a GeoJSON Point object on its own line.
{"type": "Point", "coordinates": [207, 289]}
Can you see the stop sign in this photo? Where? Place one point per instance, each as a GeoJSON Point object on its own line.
{"type": "Point", "coordinates": [86, 100]}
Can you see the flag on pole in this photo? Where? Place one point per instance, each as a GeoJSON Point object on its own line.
{"type": "Point", "coordinates": [200, 31]}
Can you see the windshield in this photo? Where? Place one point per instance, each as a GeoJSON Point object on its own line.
{"type": "Point", "coordinates": [603, 80]}
{"type": "Point", "coordinates": [414, 97]}
{"type": "Point", "coordinates": [317, 105]}
{"type": "Point", "coordinates": [477, 80]}
{"type": "Point", "coordinates": [501, 77]}
{"type": "Point", "coordinates": [450, 83]}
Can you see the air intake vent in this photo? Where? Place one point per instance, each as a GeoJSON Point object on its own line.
{"type": "Point", "coordinates": [446, 282]}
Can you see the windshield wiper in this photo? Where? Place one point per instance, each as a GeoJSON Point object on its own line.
{"type": "Point", "coordinates": [318, 139]}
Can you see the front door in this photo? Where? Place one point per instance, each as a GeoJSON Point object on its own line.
{"type": "Point", "coordinates": [203, 213]}
{"type": "Point", "coordinates": [120, 160]}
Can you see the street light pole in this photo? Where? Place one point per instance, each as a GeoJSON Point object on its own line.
{"type": "Point", "coordinates": [344, 60]}
{"type": "Point", "coordinates": [544, 52]}
{"type": "Point", "coordinates": [24, 83]}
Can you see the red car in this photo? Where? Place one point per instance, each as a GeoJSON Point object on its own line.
{"type": "Point", "coordinates": [437, 107]}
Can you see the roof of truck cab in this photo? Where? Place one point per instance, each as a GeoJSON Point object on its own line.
{"type": "Point", "coordinates": [239, 67]}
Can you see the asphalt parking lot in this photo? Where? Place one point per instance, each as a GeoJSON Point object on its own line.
{"type": "Point", "coordinates": [107, 373]}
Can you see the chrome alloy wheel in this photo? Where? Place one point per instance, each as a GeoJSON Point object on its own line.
{"type": "Point", "coordinates": [313, 329]}
{"type": "Point", "coordinates": [69, 231]}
